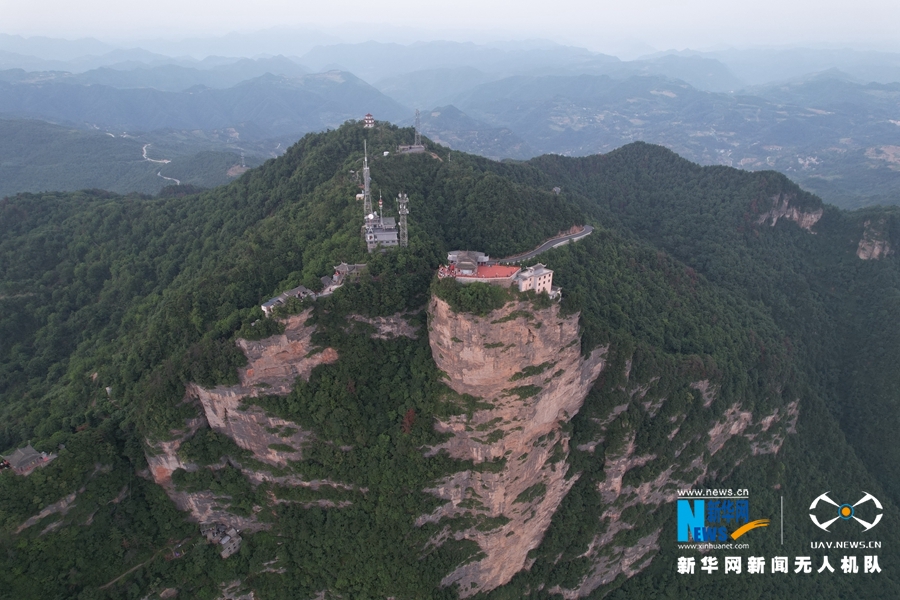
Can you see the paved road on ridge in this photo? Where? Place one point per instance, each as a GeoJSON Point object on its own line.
{"type": "Point", "coordinates": [548, 245]}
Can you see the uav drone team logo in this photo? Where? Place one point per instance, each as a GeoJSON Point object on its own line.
{"type": "Point", "coordinates": [845, 512]}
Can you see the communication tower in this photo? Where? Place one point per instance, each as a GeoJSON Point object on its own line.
{"type": "Point", "coordinates": [367, 193]}
{"type": "Point", "coordinates": [418, 141]}
{"type": "Point", "coordinates": [379, 231]}
{"type": "Point", "coordinates": [417, 146]}
{"type": "Point", "coordinates": [403, 210]}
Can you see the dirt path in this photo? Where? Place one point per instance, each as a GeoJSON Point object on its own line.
{"type": "Point", "coordinates": [138, 566]}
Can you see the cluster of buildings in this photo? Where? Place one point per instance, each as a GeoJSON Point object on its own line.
{"type": "Point", "coordinates": [221, 535]}
{"type": "Point", "coordinates": [25, 460]}
{"type": "Point", "coordinates": [342, 273]}
{"type": "Point", "coordinates": [379, 232]}
{"type": "Point", "coordinates": [416, 147]}
{"type": "Point", "coordinates": [467, 267]}
{"type": "Point", "coordinates": [382, 232]}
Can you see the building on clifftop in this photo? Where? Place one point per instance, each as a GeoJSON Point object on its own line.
{"type": "Point", "coordinates": [469, 267]}
{"type": "Point", "coordinates": [538, 278]}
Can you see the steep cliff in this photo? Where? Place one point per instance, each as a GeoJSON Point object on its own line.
{"type": "Point", "coordinates": [628, 494]}
{"type": "Point", "coordinates": [273, 365]}
{"type": "Point", "coordinates": [874, 243]}
{"type": "Point", "coordinates": [524, 365]}
{"type": "Point", "coordinates": [782, 209]}
{"type": "Point", "coordinates": [164, 459]}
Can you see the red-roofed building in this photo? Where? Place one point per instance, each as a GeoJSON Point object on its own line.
{"type": "Point", "coordinates": [469, 267]}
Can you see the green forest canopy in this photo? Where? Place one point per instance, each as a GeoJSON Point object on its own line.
{"type": "Point", "coordinates": [112, 304]}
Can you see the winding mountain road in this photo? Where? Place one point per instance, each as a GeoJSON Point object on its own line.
{"type": "Point", "coordinates": [549, 245]}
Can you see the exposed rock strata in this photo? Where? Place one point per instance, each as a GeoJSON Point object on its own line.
{"type": "Point", "coordinates": [273, 366]}
{"type": "Point", "coordinates": [163, 459]}
{"type": "Point", "coordinates": [60, 507]}
{"type": "Point", "coordinates": [527, 364]}
{"type": "Point", "coordinates": [781, 209]}
{"type": "Point", "coordinates": [389, 327]}
{"type": "Point", "coordinates": [249, 426]}
{"type": "Point", "coordinates": [610, 559]}
{"type": "Point", "coordinates": [276, 362]}
{"type": "Point", "coordinates": [874, 243]}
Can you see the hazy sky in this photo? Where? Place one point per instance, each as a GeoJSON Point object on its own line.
{"type": "Point", "coordinates": [598, 24]}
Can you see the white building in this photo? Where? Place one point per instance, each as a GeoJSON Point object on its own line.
{"type": "Point", "coordinates": [538, 278]}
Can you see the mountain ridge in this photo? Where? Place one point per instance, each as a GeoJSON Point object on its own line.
{"type": "Point", "coordinates": [686, 279]}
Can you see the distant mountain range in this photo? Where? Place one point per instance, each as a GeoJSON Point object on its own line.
{"type": "Point", "coordinates": [266, 106]}
{"type": "Point", "coordinates": [828, 119]}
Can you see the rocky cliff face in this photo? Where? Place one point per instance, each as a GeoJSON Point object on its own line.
{"type": "Point", "coordinates": [874, 243]}
{"type": "Point", "coordinates": [525, 366]}
{"type": "Point", "coordinates": [610, 558]}
{"type": "Point", "coordinates": [273, 365]}
{"type": "Point", "coordinates": [781, 209]}
{"type": "Point", "coordinates": [163, 459]}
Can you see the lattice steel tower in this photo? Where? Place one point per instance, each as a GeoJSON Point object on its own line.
{"type": "Point", "coordinates": [403, 210]}
{"type": "Point", "coordinates": [367, 193]}
{"type": "Point", "coordinates": [418, 141]}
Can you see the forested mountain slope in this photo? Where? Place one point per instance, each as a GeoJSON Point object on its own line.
{"type": "Point", "coordinates": [36, 156]}
{"type": "Point", "coordinates": [733, 332]}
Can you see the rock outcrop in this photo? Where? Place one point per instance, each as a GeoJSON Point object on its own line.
{"type": "Point", "coordinates": [164, 459]}
{"type": "Point", "coordinates": [609, 558]}
{"type": "Point", "coordinates": [273, 365]}
{"type": "Point", "coordinates": [781, 209]}
{"type": "Point", "coordinates": [525, 367]}
{"type": "Point", "coordinates": [389, 327]}
{"type": "Point", "coordinates": [874, 243]}
{"type": "Point", "coordinates": [276, 362]}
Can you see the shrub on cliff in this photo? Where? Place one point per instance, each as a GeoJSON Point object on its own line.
{"type": "Point", "coordinates": [476, 298]}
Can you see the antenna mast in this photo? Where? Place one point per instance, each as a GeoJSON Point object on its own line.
{"type": "Point", "coordinates": [418, 141]}
{"type": "Point", "coordinates": [403, 210]}
{"type": "Point", "coordinates": [367, 194]}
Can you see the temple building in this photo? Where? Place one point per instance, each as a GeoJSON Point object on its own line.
{"type": "Point", "coordinates": [25, 460]}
